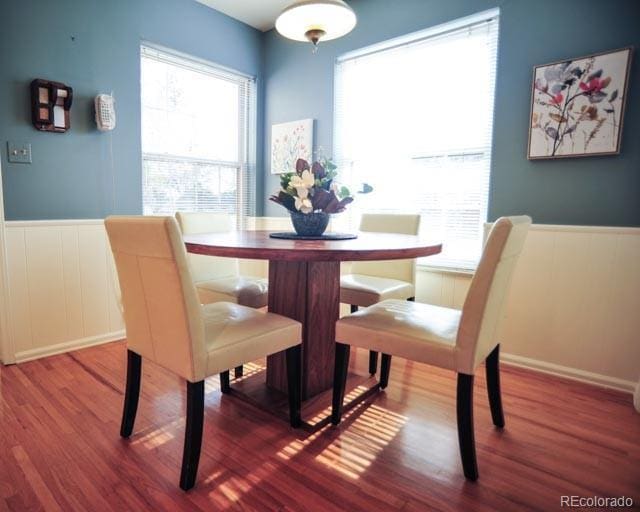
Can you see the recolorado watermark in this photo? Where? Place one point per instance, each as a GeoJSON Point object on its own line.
{"type": "Point", "coordinates": [596, 502]}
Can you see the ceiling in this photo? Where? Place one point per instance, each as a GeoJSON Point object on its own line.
{"type": "Point", "coordinates": [260, 14]}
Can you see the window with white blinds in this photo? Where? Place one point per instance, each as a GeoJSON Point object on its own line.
{"type": "Point", "coordinates": [413, 118]}
{"type": "Point", "coordinates": [198, 136]}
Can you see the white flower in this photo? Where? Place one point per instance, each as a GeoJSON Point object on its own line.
{"type": "Point", "coordinates": [302, 192]}
{"type": "Point", "coordinates": [304, 205]}
{"type": "Point", "coordinates": [306, 180]}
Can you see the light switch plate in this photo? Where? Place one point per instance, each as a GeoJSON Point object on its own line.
{"type": "Point", "coordinates": [19, 152]}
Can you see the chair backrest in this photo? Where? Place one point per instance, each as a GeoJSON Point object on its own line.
{"type": "Point", "coordinates": [204, 268]}
{"type": "Point", "coordinates": [162, 313]}
{"type": "Point", "coordinates": [113, 280]}
{"type": "Point", "coordinates": [483, 309]}
{"type": "Point", "coordinates": [404, 224]}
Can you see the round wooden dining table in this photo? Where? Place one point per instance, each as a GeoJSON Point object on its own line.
{"type": "Point", "coordinates": [304, 284]}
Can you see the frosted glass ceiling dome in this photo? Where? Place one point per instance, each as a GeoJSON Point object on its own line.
{"type": "Point", "coordinates": [315, 20]}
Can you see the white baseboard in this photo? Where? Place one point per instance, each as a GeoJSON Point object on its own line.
{"type": "Point", "coordinates": [68, 346]}
{"type": "Point", "coordinates": [570, 373]}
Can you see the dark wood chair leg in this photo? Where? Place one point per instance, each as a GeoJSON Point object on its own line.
{"type": "Point", "coordinates": [294, 384]}
{"type": "Point", "coordinates": [131, 394]}
{"type": "Point", "coordinates": [339, 381]}
{"type": "Point", "coordinates": [493, 387]}
{"type": "Point", "coordinates": [225, 387]}
{"type": "Point", "coordinates": [373, 362]}
{"type": "Point", "coordinates": [465, 426]}
{"type": "Point", "coordinates": [192, 434]}
{"type": "Point", "coordinates": [385, 369]}
{"type": "Point", "coordinates": [238, 372]}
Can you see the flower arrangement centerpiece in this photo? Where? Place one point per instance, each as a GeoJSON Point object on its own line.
{"type": "Point", "coordinates": [311, 194]}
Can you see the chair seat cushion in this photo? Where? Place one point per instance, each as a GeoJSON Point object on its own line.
{"type": "Point", "coordinates": [247, 291]}
{"type": "Point", "coordinates": [237, 334]}
{"type": "Point", "coordinates": [363, 290]}
{"type": "Point", "coordinates": [420, 332]}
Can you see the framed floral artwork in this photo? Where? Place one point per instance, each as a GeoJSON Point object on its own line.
{"type": "Point", "coordinates": [290, 141]}
{"type": "Point", "coordinates": [577, 106]}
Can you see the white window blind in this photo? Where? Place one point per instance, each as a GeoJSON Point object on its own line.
{"type": "Point", "coordinates": [413, 118]}
{"type": "Point", "coordinates": [198, 136]}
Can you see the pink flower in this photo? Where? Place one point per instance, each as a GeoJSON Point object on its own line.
{"type": "Point", "coordinates": [594, 85]}
{"type": "Point", "coordinates": [557, 99]}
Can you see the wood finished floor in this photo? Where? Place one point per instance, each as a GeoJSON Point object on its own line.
{"type": "Point", "coordinates": [60, 450]}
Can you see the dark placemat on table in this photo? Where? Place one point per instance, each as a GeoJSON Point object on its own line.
{"type": "Point", "coordinates": [292, 235]}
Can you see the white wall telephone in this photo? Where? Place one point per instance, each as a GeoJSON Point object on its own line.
{"type": "Point", "coordinates": [105, 112]}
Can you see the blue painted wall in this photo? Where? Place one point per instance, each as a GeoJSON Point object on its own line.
{"type": "Point", "coordinates": [589, 191]}
{"type": "Point", "coordinates": [93, 46]}
{"type": "Point", "coordinates": [71, 175]}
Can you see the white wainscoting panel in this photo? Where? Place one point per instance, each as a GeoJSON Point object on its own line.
{"type": "Point", "coordinates": [574, 308]}
{"type": "Point", "coordinates": [440, 288]}
{"type": "Point", "coordinates": [575, 303]}
{"type": "Point", "coordinates": [61, 286]}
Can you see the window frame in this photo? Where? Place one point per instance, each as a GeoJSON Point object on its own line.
{"type": "Point", "coordinates": [245, 165]}
{"type": "Point", "coordinates": [436, 32]}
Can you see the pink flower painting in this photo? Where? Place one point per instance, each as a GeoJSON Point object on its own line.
{"type": "Point", "coordinates": [577, 106]}
{"type": "Point", "coordinates": [290, 142]}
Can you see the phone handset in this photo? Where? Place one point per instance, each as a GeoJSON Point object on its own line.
{"type": "Point", "coordinates": [105, 112]}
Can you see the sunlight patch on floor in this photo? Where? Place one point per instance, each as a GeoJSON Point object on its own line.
{"type": "Point", "coordinates": [234, 487]}
{"type": "Point", "coordinates": [158, 436]}
{"type": "Point", "coordinates": [348, 455]}
{"type": "Point", "coordinates": [353, 394]}
{"type": "Point", "coordinates": [297, 445]}
{"type": "Point", "coordinates": [351, 454]}
{"type": "Point", "coordinates": [248, 482]}
{"type": "Point", "coordinates": [213, 476]}
{"type": "Point", "coordinates": [249, 370]}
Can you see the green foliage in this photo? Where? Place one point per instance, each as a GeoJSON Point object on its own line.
{"type": "Point", "coordinates": [285, 179]}
{"type": "Point", "coordinates": [366, 188]}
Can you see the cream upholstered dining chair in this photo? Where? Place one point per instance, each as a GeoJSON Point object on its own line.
{"type": "Point", "coordinates": [447, 338]}
{"type": "Point", "coordinates": [216, 278]}
{"type": "Point", "coordinates": [374, 281]}
{"type": "Point", "coordinates": [166, 324]}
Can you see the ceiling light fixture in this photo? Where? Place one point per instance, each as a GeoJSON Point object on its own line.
{"type": "Point", "coordinates": [315, 20]}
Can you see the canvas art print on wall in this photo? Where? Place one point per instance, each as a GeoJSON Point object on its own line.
{"type": "Point", "coordinates": [577, 106]}
{"type": "Point", "coordinates": [290, 141]}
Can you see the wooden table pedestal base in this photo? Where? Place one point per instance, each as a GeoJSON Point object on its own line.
{"type": "Point", "coordinates": [310, 293]}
